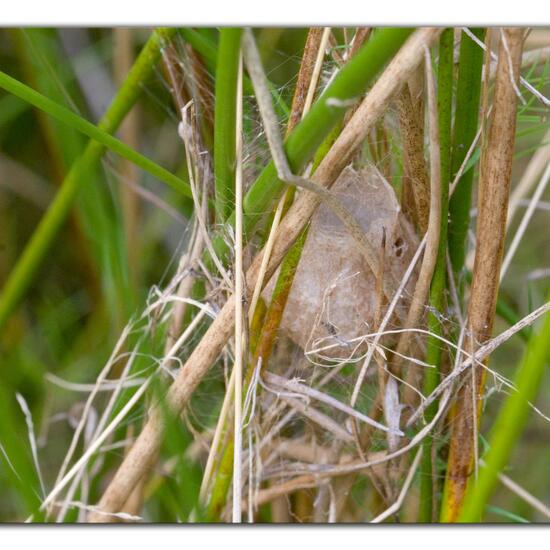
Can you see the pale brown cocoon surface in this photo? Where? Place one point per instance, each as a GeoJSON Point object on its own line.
{"type": "Point", "coordinates": [334, 293]}
{"type": "Point", "coordinates": [494, 191]}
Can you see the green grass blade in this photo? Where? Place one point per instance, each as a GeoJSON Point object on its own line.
{"type": "Point", "coordinates": [466, 121]}
{"type": "Point", "coordinates": [97, 133]}
{"type": "Point", "coordinates": [99, 229]}
{"type": "Point", "coordinates": [509, 424]}
{"type": "Point", "coordinates": [349, 84]}
{"type": "Point", "coordinates": [44, 235]}
{"type": "Point", "coordinates": [15, 460]}
{"type": "Point", "coordinates": [225, 121]}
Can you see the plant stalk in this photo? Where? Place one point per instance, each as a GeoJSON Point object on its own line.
{"type": "Point", "coordinates": [494, 190]}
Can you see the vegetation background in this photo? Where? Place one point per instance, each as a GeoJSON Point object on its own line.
{"type": "Point", "coordinates": [91, 235]}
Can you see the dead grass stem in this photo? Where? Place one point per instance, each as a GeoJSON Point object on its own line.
{"type": "Point", "coordinates": [494, 188]}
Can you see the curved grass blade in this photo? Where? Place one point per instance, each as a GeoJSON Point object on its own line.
{"type": "Point", "coordinates": [509, 424]}
{"type": "Point", "coordinates": [44, 235]}
{"type": "Point", "coordinates": [97, 133]}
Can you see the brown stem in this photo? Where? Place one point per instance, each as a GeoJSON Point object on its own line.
{"type": "Point", "coordinates": [494, 190]}
{"type": "Point", "coordinates": [311, 48]}
{"type": "Point", "coordinates": [415, 173]}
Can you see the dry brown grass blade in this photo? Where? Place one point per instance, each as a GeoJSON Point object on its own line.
{"type": "Point", "coordinates": [494, 190]}
{"type": "Point", "coordinates": [142, 455]}
{"type": "Point", "coordinates": [311, 48]}
{"type": "Point", "coordinates": [422, 288]}
{"type": "Point", "coordinates": [415, 173]}
{"type": "Point", "coordinates": [282, 489]}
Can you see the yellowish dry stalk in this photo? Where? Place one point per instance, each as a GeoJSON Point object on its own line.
{"type": "Point", "coordinates": [422, 288]}
{"type": "Point", "coordinates": [285, 488]}
{"type": "Point", "coordinates": [494, 190]}
{"type": "Point", "coordinates": [141, 456]}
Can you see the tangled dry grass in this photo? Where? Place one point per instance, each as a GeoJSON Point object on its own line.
{"type": "Point", "coordinates": [308, 343]}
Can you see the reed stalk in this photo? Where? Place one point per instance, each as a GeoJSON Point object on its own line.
{"type": "Point", "coordinates": [494, 189]}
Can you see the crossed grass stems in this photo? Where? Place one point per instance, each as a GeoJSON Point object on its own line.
{"type": "Point", "coordinates": [444, 391]}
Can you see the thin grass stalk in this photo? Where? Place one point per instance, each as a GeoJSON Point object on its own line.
{"type": "Point", "coordinates": [227, 70]}
{"type": "Point", "coordinates": [29, 262]}
{"type": "Point", "coordinates": [494, 190]}
{"type": "Point", "coordinates": [239, 295]}
{"type": "Point", "coordinates": [428, 485]}
{"type": "Point", "coordinates": [273, 316]}
{"type": "Point", "coordinates": [143, 452]}
{"type": "Point", "coordinates": [509, 424]}
{"type": "Point", "coordinates": [465, 128]}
